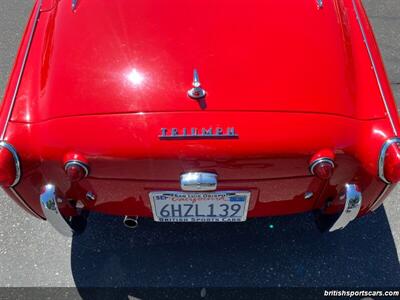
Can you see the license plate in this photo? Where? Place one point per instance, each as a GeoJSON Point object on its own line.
{"type": "Point", "coordinates": [221, 206]}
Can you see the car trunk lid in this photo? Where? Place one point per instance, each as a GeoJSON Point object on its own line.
{"type": "Point", "coordinates": [123, 56]}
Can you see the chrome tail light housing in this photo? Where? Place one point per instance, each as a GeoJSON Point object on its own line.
{"type": "Point", "coordinates": [10, 167]}
{"type": "Point", "coordinates": [389, 161]}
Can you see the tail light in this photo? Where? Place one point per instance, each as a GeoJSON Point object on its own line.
{"type": "Point", "coordinates": [10, 171]}
{"type": "Point", "coordinates": [76, 167]}
{"type": "Point", "coordinates": [76, 170]}
{"type": "Point", "coordinates": [322, 164]}
{"type": "Point", "coordinates": [389, 162]}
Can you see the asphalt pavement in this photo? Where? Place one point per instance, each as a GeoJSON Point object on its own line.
{"type": "Point", "coordinates": [286, 251]}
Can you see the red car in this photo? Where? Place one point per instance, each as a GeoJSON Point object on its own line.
{"type": "Point", "coordinates": [198, 111]}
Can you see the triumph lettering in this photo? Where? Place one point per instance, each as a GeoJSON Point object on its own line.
{"type": "Point", "coordinates": [198, 133]}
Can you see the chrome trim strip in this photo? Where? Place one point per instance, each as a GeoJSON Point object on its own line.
{"type": "Point", "coordinates": [17, 163]}
{"type": "Point", "coordinates": [351, 209]}
{"type": "Point", "coordinates": [321, 160]}
{"type": "Point", "coordinates": [74, 4]}
{"type": "Point", "coordinates": [48, 202]}
{"type": "Point", "coordinates": [198, 181]}
{"type": "Point", "coordinates": [23, 202]}
{"type": "Point", "coordinates": [374, 67]}
{"type": "Point", "coordinates": [78, 163]}
{"type": "Point", "coordinates": [22, 70]}
{"type": "Point", "coordinates": [382, 155]}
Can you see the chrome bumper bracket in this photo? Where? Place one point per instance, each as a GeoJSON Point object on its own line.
{"type": "Point", "coordinates": [353, 199]}
{"type": "Point", "coordinates": [49, 203]}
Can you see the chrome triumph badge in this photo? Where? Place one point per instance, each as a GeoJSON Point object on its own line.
{"type": "Point", "coordinates": [198, 133]}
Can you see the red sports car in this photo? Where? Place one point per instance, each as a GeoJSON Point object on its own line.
{"type": "Point", "coordinates": [198, 111]}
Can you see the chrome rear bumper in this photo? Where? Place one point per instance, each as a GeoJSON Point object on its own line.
{"type": "Point", "coordinates": [49, 203]}
{"type": "Point", "coordinates": [70, 226]}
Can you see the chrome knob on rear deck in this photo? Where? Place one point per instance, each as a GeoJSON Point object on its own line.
{"type": "Point", "coordinates": [198, 181]}
{"type": "Point", "coordinates": [197, 92]}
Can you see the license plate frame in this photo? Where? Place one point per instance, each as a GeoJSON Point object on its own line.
{"type": "Point", "coordinates": [200, 200]}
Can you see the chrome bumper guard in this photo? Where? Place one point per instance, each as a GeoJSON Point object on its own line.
{"type": "Point", "coordinates": [49, 203]}
{"type": "Point", "coordinates": [353, 200]}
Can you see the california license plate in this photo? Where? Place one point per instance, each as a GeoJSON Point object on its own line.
{"type": "Point", "coordinates": [221, 206]}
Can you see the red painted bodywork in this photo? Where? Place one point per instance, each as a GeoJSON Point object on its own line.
{"type": "Point", "coordinates": [8, 170]}
{"type": "Point", "coordinates": [293, 80]}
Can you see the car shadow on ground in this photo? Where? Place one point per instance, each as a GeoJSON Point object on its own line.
{"type": "Point", "coordinates": [267, 252]}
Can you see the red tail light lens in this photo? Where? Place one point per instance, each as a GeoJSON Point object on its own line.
{"type": "Point", "coordinates": [76, 170]}
{"type": "Point", "coordinates": [9, 165]}
{"type": "Point", "coordinates": [322, 168]}
{"type": "Point", "coordinates": [392, 163]}
{"type": "Point", "coordinates": [76, 166]}
{"type": "Point", "coordinates": [322, 164]}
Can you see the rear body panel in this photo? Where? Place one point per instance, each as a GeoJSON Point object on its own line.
{"type": "Point", "coordinates": [269, 158]}
{"type": "Point", "coordinates": [104, 80]}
